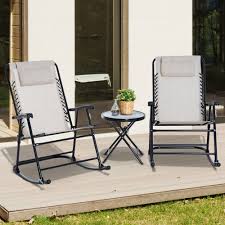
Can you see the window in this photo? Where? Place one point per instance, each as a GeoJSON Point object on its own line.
{"type": "Point", "coordinates": [209, 41]}
{"type": "Point", "coordinates": [97, 53]}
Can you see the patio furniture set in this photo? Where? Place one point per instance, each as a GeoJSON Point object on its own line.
{"type": "Point", "coordinates": [42, 111]}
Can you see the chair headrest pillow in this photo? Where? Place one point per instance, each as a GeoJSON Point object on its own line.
{"type": "Point", "coordinates": [36, 73]}
{"type": "Point", "coordinates": [174, 66]}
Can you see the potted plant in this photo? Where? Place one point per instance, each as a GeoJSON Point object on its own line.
{"type": "Point", "coordinates": [126, 99]}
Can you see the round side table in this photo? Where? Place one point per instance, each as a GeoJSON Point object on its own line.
{"type": "Point", "coordinates": [123, 132]}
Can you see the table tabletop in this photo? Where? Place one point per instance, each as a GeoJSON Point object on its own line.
{"type": "Point", "coordinates": [135, 116]}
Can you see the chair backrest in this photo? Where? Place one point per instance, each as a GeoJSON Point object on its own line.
{"type": "Point", "coordinates": [178, 89]}
{"type": "Point", "coordinates": [36, 88]}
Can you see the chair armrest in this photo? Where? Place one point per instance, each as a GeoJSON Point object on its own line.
{"type": "Point", "coordinates": [77, 110]}
{"type": "Point", "coordinates": [150, 104]}
{"type": "Point", "coordinates": [81, 107]}
{"type": "Point", "coordinates": [23, 116]}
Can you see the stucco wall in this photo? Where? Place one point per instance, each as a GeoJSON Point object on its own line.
{"type": "Point", "coordinates": [51, 37]}
{"type": "Point", "coordinates": [155, 28]}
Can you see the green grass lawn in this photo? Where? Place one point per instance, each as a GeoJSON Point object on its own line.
{"type": "Point", "coordinates": [200, 211]}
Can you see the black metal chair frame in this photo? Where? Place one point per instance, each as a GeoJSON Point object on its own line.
{"type": "Point", "coordinates": [74, 128]}
{"type": "Point", "coordinates": [210, 120]}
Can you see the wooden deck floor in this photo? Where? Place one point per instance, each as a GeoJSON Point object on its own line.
{"type": "Point", "coordinates": [74, 189]}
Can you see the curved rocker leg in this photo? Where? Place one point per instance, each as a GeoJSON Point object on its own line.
{"type": "Point", "coordinates": [101, 167]}
{"type": "Point", "coordinates": [217, 163]}
{"type": "Point", "coordinates": [152, 162]}
{"type": "Point", "coordinates": [81, 164]}
{"type": "Point", "coordinates": [34, 181]}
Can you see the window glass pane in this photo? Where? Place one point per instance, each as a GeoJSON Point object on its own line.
{"type": "Point", "coordinates": [97, 52]}
{"type": "Point", "coordinates": [208, 41]}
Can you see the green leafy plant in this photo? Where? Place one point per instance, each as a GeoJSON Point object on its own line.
{"type": "Point", "coordinates": [127, 95]}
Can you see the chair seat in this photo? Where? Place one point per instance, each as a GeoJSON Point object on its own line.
{"type": "Point", "coordinates": [185, 123]}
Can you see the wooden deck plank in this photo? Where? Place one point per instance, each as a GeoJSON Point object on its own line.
{"type": "Point", "coordinates": [126, 184]}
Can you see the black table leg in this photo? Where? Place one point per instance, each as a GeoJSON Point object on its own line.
{"type": "Point", "coordinates": [111, 146]}
{"type": "Point", "coordinates": [126, 135]}
{"type": "Point", "coordinates": [127, 143]}
{"type": "Point", "coordinates": [116, 143]}
{"type": "Point", "coordinates": [118, 139]}
{"type": "Point", "coordinates": [121, 136]}
{"type": "Point", "coordinates": [136, 148]}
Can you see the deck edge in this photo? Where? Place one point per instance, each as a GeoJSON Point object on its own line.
{"type": "Point", "coordinates": [120, 202]}
{"type": "Point", "coordinates": [4, 214]}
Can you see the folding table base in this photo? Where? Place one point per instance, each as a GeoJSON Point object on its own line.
{"type": "Point", "coordinates": [123, 135]}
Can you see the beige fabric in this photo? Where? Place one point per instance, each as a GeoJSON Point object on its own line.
{"type": "Point", "coordinates": [176, 66]}
{"type": "Point", "coordinates": [42, 100]}
{"type": "Point", "coordinates": [178, 97]}
{"type": "Point", "coordinates": [36, 73]}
